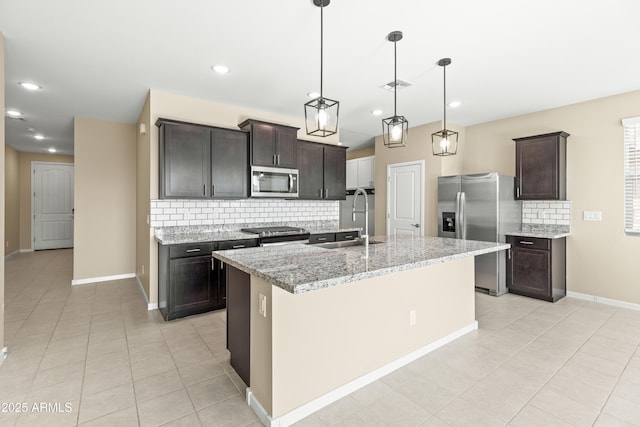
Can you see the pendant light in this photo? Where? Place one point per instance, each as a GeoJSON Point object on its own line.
{"type": "Point", "coordinates": [321, 114]}
{"type": "Point", "coordinates": [444, 142]}
{"type": "Point", "coordinates": [395, 129]}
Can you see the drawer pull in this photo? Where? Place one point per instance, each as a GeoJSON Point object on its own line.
{"type": "Point", "coordinates": [524, 242]}
{"type": "Point", "coordinates": [348, 237]}
{"type": "Point", "coordinates": [193, 250]}
{"type": "Point", "coordinates": [238, 246]}
{"type": "Point", "coordinates": [320, 239]}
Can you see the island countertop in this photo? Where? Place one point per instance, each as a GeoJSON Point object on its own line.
{"type": "Point", "coordinates": [302, 268]}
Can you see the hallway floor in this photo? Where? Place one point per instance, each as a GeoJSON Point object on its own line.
{"type": "Point", "coordinates": [92, 355]}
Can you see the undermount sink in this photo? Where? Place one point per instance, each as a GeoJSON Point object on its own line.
{"type": "Point", "coordinates": [344, 244]}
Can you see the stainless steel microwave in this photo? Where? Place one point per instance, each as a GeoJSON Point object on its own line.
{"type": "Point", "coordinates": [274, 182]}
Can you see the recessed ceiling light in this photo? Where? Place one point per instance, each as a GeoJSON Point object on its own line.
{"type": "Point", "coordinates": [51, 150]}
{"type": "Point", "coordinates": [30, 86]}
{"type": "Point", "coordinates": [13, 113]}
{"type": "Point", "coordinates": [38, 137]}
{"type": "Point", "coordinates": [454, 104]}
{"type": "Point", "coordinates": [220, 69]}
{"type": "Point", "coordinates": [313, 95]}
{"type": "Point", "coordinates": [376, 112]}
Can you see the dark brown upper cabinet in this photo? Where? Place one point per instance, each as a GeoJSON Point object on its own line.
{"type": "Point", "coordinates": [322, 171]}
{"type": "Point", "coordinates": [202, 162]}
{"type": "Point", "coordinates": [541, 167]}
{"type": "Point", "coordinates": [271, 144]}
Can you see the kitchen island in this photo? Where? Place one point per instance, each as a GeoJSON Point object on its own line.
{"type": "Point", "coordinates": [322, 323]}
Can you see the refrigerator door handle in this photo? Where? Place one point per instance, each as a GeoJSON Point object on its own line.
{"type": "Point", "coordinates": [457, 217]}
{"type": "Point", "coordinates": [462, 224]}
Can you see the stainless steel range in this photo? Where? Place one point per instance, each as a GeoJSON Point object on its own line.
{"type": "Point", "coordinates": [279, 235]}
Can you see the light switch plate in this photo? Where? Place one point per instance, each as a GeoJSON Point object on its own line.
{"type": "Point", "coordinates": [592, 216]}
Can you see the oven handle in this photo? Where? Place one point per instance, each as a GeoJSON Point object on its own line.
{"type": "Point", "coordinates": [290, 183]}
{"type": "Point", "coordinates": [291, 242]}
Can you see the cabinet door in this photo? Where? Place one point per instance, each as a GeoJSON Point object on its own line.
{"type": "Point", "coordinates": [366, 172]}
{"type": "Point", "coordinates": [229, 164]}
{"type": "Point", "coordinates": [193, 286]}
{"type": "Point", "coordinates": [537, 169]}
{"type": "Point", "coordinates": [263, 148]}
{"type": "Point", "coordinates": [529, 271]}
{"type": "Point", "coordinates": [310, 169]}
{"type": "Point", "coordinates": [335, 160]}
{"type": "Point", "coordinates": [286, 147]}
{"type": "Point", "coordinates": [352, 174]}
{"type": "Point", "coordinates": [184, 168]}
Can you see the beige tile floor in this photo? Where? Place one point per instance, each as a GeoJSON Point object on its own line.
{"type": "Point", "coordinates": [97, 349]}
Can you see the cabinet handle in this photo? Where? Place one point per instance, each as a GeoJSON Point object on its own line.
{"type": "Point", "coordinates": [193, 250]}
{"type": "Point", "coordinates": [321, 239]}
{"type": "Point", "coordinates": [278, 159]}
{"type": "Point", "coordinates": [509, 253]}
{"type": "Point", "coordinates": [321, 193]}
{"type": "Point", "coordinates": [274, 160]}
{"type": "Point", "coordinates": [212, 266]}
{"type": "Point", "coordinates": [213, 190]}
{"type": "Point", "coordinates": [524, 242]}
{"type": "Point", "coordinates": [204, 189]}
{"type": "Point", "coordinates": [238, 246]}
{"type": "Point", "coordinates": [518, 191]}
{"type": "Point", "coordinates": [348, 237]}
{"type": "Point", "coordinates": [326, 193]}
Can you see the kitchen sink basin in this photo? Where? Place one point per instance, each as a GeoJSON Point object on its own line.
{"type": "Point", "coordinates": [344, 244]}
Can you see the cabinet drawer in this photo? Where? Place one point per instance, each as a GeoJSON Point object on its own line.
{"type": "Point", "coordinates": [191, 249]}
{"type": "Point", "coordinates": [530, 242]}
{"type": "Point", "coordinates": [321, 238]}
{"type": "Point", "coordinates": [346, 235]}
{"type": "Point", "coordinates": [237, 244]}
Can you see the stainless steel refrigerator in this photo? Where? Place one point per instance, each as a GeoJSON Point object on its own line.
{"type": "Point", "coordinates": [480, 207]}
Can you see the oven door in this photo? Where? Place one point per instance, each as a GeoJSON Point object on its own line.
{"type": "Point", "coordinates": [274, 182]}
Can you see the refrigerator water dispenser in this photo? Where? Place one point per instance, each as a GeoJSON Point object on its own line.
{"type": "Point", "coordinates": [449, 221]}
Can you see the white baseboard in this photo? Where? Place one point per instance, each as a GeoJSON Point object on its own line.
{"type": "Point", "coordinates": [606, 301]}
{"type": "Point", "coordinates": [144, 294]}
{"type": "Point", "coordinates": [102, 279]}
{"type": "Point", "coordinates": [308, 408]}
{"type": "Point", "coordinates": [12, 254]}
{"type": "Point", "coordinates": [26, 251]}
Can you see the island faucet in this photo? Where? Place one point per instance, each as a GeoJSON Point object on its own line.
{"type": "Point", "coordinates": [365, 236]}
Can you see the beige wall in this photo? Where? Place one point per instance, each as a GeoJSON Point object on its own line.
{"type": "Point", "coordinates": [345, 346]}
{"type": "Point", "coordinates": [24, 190]}
{"type": "Point", "coordinates": [105, 198]}
{"type": "Point", "coordinates": [2, 142]}
{"type": "Point", "coordinates": [418, 148]}
{"type": "Point", "coordinates": [363, 152]}
{"type": "Point", "coordinates": [11, 200]}
{"type": "Point", "coordinates": [144, 235]}
{"type": "Point", "coordinates": [188, 109]}
{"type": "Point", "coordinates": [601, 259]}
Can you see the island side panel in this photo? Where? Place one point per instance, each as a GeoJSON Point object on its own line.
{"type": "Point", "coordinates": [324, 339]}
{"type": "Point", "coordinates": [261, 344]}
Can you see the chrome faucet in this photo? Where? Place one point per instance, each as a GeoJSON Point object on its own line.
{"type": "Point", "coordinates": [365, 236]}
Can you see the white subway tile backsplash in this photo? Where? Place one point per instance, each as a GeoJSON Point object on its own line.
{"type": "Point", "coordinates": [548, 212]}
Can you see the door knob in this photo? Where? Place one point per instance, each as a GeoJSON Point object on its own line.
{"type": "Point", "coordinates": [416, 225]}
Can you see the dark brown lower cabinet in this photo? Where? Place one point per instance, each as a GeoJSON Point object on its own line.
{"type": "Point", "coordinates": [537, 267]}
{"type": "Point", "coordinates": [239, 321]}
{"type": "Point", "coordinates": [190, 280]}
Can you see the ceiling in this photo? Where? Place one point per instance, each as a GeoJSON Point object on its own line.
{"type": "Point", "coordinates": [99, 59]}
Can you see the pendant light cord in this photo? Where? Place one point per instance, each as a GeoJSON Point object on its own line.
{"type": "Point", "coordinates": [444, 102]}
{"type": "Point", "coordinates": [395, 78]}
{"type": "Point", "coordinates": [321, 42]}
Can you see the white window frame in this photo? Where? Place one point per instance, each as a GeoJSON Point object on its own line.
{"type": "Point", "coordinates": [631, 128]}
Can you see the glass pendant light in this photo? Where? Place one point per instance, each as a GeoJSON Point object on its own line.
{"type": "Point", "coordinates": [321, 114]}
{"type": "Point", "coordinates": [444, 142]}
{"type": "Point", "coordinates": [395, 129]}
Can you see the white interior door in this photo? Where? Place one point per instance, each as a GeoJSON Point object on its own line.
{"type": "Point", "coordinates": [52, 205]}
{"type": "Point", "coordinates": [405, 206]}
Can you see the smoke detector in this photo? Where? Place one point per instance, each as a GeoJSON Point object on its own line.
{"type": "Point", "coordinates": [401, 84]}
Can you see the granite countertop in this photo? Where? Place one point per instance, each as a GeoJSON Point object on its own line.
{"type": "Point", "coordinates": [542, 231]}
{"type": "Point", "coordinates": [205, 233]}
{"type": "Point", "coordinates": [302, 268]}
{"type": "Point", "coordinates": [202, 236]}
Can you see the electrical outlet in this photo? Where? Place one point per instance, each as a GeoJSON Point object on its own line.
{"type": "Point", "coordinates": [262, 305]}
{"type": "Point", "coordinates": [412, 318]}
{"type": "Point", "coordinates": [143, 269]}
